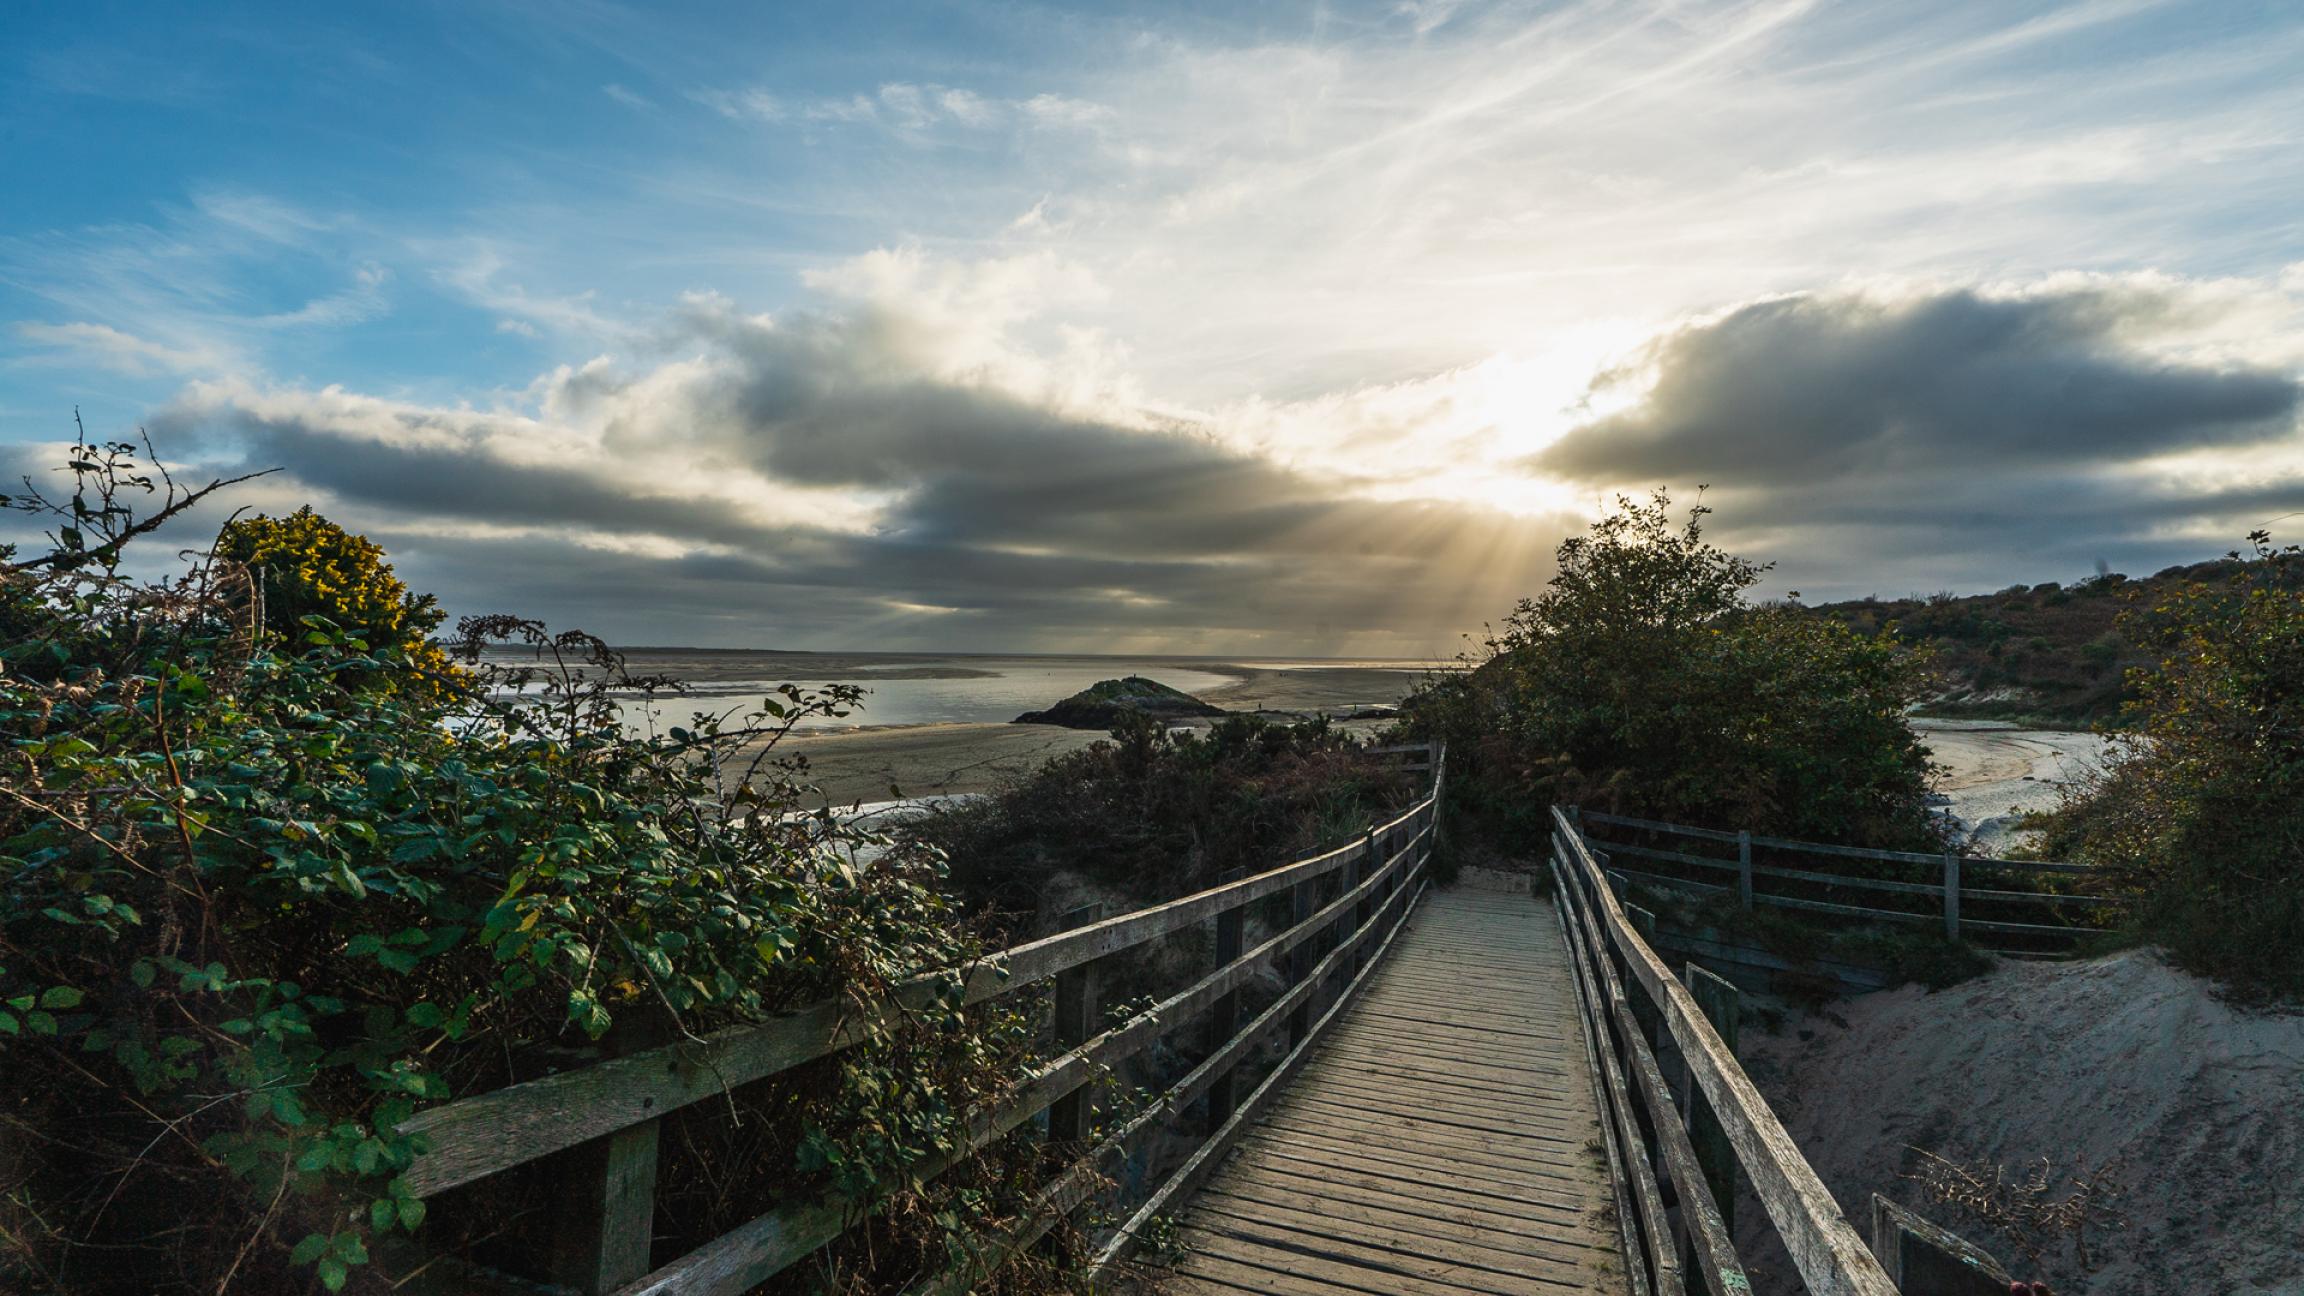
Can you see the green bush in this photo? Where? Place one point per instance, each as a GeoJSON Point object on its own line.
{"type": "Point", "coordinates": [2199, 814]}
{"type": "Point", "coordinates": [1642, 681]}
{"type": "Point", "coordinates": [261, 906]}
{"type": "Point", "coordinates": [1157, 813]}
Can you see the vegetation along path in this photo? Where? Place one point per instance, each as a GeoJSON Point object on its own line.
{"type": "Point", "coordinates": [1443, 1140]}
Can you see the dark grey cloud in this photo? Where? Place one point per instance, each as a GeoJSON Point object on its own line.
{"type": "Point", "coordinates": [1960, 439]}
{"type": "Point", "coordinates": [1000, 522]}
{"type": "Point", "coordinates": [1833, 386]}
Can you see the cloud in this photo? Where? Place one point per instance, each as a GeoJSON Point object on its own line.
{"type": "Point", "coordinates": [1832, 385]}
{"type": "Point", "coordinates": [108, 347]}
{"type": "Point", "coordinates": [898, 449]}
{"type": "Point", "coordinates": [910, 108]}
{"type": "Point", "coordinates": [1955, 436]}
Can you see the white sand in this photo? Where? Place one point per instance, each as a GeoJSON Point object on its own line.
{"type": "Point", "coordinates": [2120, 1057]}
{"type": "Point", "coordinates": [1996, 772]}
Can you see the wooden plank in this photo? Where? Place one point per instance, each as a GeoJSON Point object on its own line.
{"type": "Point", "coordinates": [1317, 1255]}
{"type": "Point", "coordinates": [1224, 1014]}
{"type": "Point", "coordinates": [1482, 1248]}
{"type": "Point", "coordinates": [1313, 1159]}
{"type": "Point", "coordinates": [1722, 1005]}
{"type": "Point", "coordinates": [1672, 856]}
{"type": "Point", "coordinates": [1701, 1224]}
{"type": "Point", "coordinates": [1521, 1234]}
{"type": "Point", "coordinates": [1829, 1254]}
{"type": "Point", "coordinates": [752, 1253]}
{"type": "Point", "coordinates": [1425, 1151]}
{"type": "Point", "coordinates": [1709, 834]}
{"type": "Point", "coordinates": [607, 1217]}
{"type": "Point", "coordinates": [1420, 1196]}
{"type": "Point", "coordinates": [1079, 1008]}
{"type": "Point", "coordinates": [1204, 1161]}
{"type": "Point", "coordinates": [1424, 1205]}
{"type": "Point", "coordinates": [481, 1135]}
{"type": "Point", "coordinates": [1321, 1242]}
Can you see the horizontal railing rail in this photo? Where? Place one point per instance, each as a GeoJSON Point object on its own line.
{"type": "Point", "coordinates": [1822, 889]}
{"type": "Point", "coordinates": [1679, 1156]}
{"type": "Point", "coordinates": [613, 1107]}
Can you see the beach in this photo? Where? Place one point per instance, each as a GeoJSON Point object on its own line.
{"type": "Point", "coordinates": [935, 726]}
{"type": "Point", "coordinates": [1996, 772]}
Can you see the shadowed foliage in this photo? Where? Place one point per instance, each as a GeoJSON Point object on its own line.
{"type": "Point", "coordinates": [1642, 681]}
{"type": "Point", "coordinates": [2200, 810]}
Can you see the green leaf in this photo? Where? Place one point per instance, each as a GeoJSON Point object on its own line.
{"type": "Point", "coordinates": [411, 1212]}
{"type": "Point", "coordinates": [333, 1273]}
{"type": "Point", "coordinates": [310, 1249]}
{"type": "Point", "coordinates": [381, 1214]}
{"type": "Point", "coordinates": [62, 997]}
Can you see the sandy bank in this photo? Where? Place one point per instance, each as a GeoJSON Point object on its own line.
{"type": "Point", "coordinates": [2115, 1059]}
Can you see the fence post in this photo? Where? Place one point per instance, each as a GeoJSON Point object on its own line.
{"type": "Point", "coordinates": [1224, 1014]}
{"type": "Point", "coordinates": [1370, 861]}
{"type": "Point", "coordinates": [607, 1188]}
{"type": "Point", "coordinates": [1714, 1154]}
{"type": "Point", "coordinates": [1077, 1008]}
{"type": "Point", "coordinates": [1952, 894]}
{"type": "Point", "coordinates": [1744, 867]}
{"type": "Point", "coordinates": [1644, 1010]}
{"type": "Point", "coordinates": [1301, 903]}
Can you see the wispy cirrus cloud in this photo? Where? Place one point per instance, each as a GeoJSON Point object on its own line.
{"type": "Point", "coordinates": [906, 106]}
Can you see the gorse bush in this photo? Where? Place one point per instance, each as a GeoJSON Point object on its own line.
{"type": "Point", "coordinates": [271, 890]}
{"type": "Point", "coordinates": [2199, 812]}
{"type": "Point", "coordinates": [1643, 681]}
{"type": "Point", "coordinates": [303, 566]}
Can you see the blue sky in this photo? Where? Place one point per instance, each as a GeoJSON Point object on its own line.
{"type": "Point", "coordinates": [1160, 326]}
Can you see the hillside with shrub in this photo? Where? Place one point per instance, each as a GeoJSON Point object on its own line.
{"type": "Point", "coordinates": [2051, 653]}
{"type": "Point", "coordinates": [2198, 816]}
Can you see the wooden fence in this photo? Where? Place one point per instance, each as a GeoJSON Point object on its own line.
{"type": "Point", "coordinates": [1950, 893]}
{"type": "Point", "coordinates": [1677, 1155]}
{"type": "Point", "coordinates": [603, 1119]}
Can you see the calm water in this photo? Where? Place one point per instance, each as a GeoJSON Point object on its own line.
{"type": "Point", "coordinates": [920, 688]}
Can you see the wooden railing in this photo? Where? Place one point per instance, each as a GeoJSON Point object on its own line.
{"type": "Point", "coordinates": [1677, 1155]}
{"type": "Point", "coordinates": [1346, 905]}
{"type": "Point", "coordinates": [1951, 895]}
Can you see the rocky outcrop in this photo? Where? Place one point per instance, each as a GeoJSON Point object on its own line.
{"type": "Point", "coordinates": [1103, 705]}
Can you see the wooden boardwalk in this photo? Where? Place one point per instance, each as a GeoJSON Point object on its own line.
{"type": "Point", "coordinates": [1443, 1139]}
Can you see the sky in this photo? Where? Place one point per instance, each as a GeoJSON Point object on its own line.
{"type": "Point", "coordinates": [1303, 329]}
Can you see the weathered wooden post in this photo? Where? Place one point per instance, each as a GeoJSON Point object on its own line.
{"type": "Point", "coordinates": [1077, 1008]}
{"type": "Point", "coordinates": [607, 1187]}
{"type": "Point", "coordinates": [1301, 903]}
{"type": "Point", "coordinates": [1952, 894]}
{"type": "Point", "coordinates": [1356, 918]}
{"type": "Point", "coordinates": [1644, 1008]}
{"type": "Point", "coordinates": [1744, 867]}
{"type": "Point", "coordinates": [1714, 1154]}
{"type": "Point", "coordinates": [1224, 1014]}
